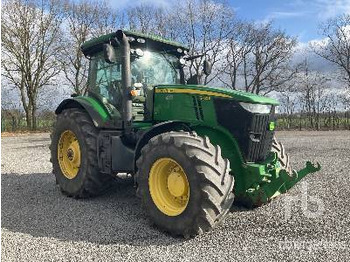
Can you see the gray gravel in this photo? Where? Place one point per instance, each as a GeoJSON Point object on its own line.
{"type": "Point", "coordinates": [40, 224]}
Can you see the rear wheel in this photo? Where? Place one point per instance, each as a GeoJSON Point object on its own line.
{"type": "Point", "coordinates": [74, 155]}
{"type": "Point", "coordinates": [184, 183]}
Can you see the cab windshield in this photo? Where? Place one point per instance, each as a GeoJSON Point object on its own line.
{"type": "Point", "coordinates": [154, 68]}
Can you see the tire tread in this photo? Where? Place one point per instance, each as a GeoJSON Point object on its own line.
{"type": "Point", "coordinates": [94, 183]}
{"type": "Point", "coordinates": [204, 156]}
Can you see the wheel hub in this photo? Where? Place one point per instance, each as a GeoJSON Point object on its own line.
{"type": "Point", "coordinates": [69, 154]}
{"type": "Point", "coordinates": [169, 186]}
{"type": "Point", "coordinates": [176, 184]}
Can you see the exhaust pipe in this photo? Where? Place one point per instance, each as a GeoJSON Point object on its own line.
{"type": "Point", "coordinates": [126, 79]}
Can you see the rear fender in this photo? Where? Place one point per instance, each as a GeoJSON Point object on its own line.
{"type": "Point", "coordinates": [98, 113]}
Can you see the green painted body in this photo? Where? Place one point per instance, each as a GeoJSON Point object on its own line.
{"type": "Point", "coordinates": [234, 94]}
{"type": "Point", "coordinates": [255, 183]}
{"type": "Point", "coordinates": [98, 107]}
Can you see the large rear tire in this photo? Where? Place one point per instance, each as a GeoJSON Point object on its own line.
{"type": "Point", "coordinates": [184, 183]}
{"type": "Point", "coordinates": [74, 155]}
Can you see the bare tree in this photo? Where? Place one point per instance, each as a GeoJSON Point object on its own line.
{"type": "Point", "coordinates": [345, 101]}
{"type": "Point", "coordinates": [201, 24]}
{"type": "Point", "coordinates": [147, 18]}
{"type": "Point", "coordinates": [204, 26]}
{"type": "Point", "coordinates": [108, 19]}
{"type": "Point", "coordinates": [314, 97]}
{"type": "Point", "coordinates": [336, 45]}
{"type": "Point", "coordinates": [238, 46]}
{"type": "Point", "coordinates": [289, 99]}
{"type": "Point", "coordinates": [267, 67]}
{"type": "Point", "coordinates": [29, 33]}
{"type": "Point", "coordinates": [83, 20]}
{"type": "Point", "coordinates": [258, 57]}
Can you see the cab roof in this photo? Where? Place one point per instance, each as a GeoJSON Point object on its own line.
{"type": "Point", "coordinates": [136, 40]}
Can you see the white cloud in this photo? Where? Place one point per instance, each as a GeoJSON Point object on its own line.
{"type": "Point", "coordinates": [320, 9]}
{"type": "Point", "coordinates": [332, 8]}
{"type": "Point", "coordinates": [281, 15]}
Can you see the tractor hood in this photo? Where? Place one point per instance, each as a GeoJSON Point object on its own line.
{"type": "Point", "coordinates": [218, 92]}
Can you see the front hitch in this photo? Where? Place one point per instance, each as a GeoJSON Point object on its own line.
{"type": "Point", "coordinates": [273, 182]}
{"type": "Point", "coordinates": [296, 176]}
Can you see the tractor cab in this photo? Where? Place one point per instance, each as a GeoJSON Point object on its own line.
{"type": "Point", "coordinates": [126, 66]}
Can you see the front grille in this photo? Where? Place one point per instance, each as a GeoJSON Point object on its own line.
{"type": "Point", "coordinates": [258, 150]}
{"type": "Point", "coordinates": [250, 130]}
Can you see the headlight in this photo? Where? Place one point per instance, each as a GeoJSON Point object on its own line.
{"type": "Point", "coordinates": [256, 108]}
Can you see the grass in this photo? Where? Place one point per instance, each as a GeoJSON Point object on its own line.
{"type": "Point", "coordinates": [293, 122]}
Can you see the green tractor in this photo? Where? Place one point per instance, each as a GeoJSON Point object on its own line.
{"type": "Point", "coordinates": [192, 149]}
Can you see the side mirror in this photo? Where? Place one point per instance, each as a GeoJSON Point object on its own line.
{"type": "Point", "coordinates": [207, 67]}
{"type": "Point", "coordinates": [109, 53]}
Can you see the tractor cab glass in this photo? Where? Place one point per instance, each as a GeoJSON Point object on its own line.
{"type": "Point", "coordinates": [154, 68]}
{"type": "Point", "coordinates": [105, 81]}
{"type": "Point", "coordinates": [147, 70]}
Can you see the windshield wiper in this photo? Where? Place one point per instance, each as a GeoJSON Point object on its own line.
{"type": "Point", "coordinates": [167, 59]}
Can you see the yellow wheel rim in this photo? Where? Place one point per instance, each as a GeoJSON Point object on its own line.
{"type": "Point", "coordinates": [169, 187]}
{"type": "Point", "coordinates": [69, 155]}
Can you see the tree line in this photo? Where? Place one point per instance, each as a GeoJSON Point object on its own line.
{"type": "Point", "coordinates": [41, 47]}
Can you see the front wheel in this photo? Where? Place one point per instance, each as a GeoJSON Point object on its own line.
{"type": "Point", "coordinates": [184, 183]}
{"type": "Point", "coordinates": [282, 156]}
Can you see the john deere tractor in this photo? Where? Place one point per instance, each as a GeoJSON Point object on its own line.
{"type": "Point", "coordinates": [192, 149]}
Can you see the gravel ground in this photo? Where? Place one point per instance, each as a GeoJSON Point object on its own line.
{"type": "Point", "coordinates": [40, 224]}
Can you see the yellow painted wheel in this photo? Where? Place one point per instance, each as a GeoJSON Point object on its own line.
{"type": "Point", "coordinates": [169, 187]}
{"type": "Point", "coordinates": [69, 155]}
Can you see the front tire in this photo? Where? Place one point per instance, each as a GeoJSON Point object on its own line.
{"type": "Point", "coordinates": [282, 156]}
{"type": "Point", "coordinates": [184, 183]}
{"type": "Point", "coordinates": [74, 155]}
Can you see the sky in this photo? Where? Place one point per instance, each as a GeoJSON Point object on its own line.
{"type": "Point", "coordinates": [299, 18]}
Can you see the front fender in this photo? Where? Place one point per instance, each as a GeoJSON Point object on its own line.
{"type": "Point", "coordinates": [98, 113]}
{"type": "Point", "coordinates": [229, 146]}
{"type": "Point", "coordinates": [156, 130]}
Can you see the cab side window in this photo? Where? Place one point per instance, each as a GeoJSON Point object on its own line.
{"type": "Point", "coordinates": [105, 80]}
